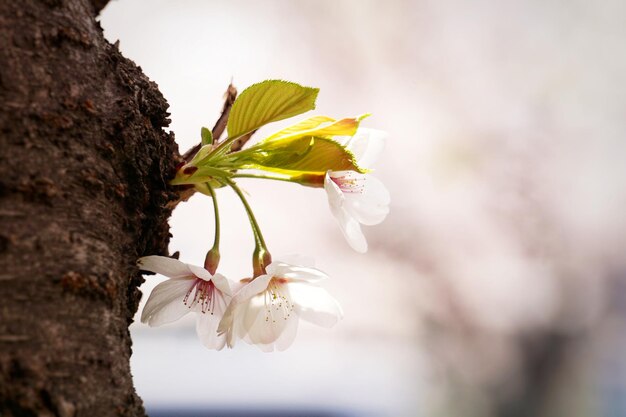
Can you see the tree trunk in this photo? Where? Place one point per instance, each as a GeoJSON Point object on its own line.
{"type": "Point", "coordinates": [83, 194]}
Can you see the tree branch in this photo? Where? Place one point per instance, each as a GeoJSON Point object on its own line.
{"type": "Point", "coordinates": [229, 98]}
{"type": "Point", "coordinates": [239, 143]}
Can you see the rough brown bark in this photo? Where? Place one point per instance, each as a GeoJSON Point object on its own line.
{"type": "Point", "coordinates": [84, 165]}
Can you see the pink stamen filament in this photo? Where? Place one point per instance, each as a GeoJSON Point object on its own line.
{"type": "Point", "coordinates": [205, 294]}
{"type": "Point", "coordinates": [350, 184]}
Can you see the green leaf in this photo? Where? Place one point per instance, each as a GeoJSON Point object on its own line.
{"type": "Point", "coordinates": [305, 125]}
{"type": "Point", "coordinates": [305, 154]}
{"type": "Point", "coordinates": [266, 102]}
{"type": "Point", "coordinates": [320, 126]}
{"type": "Point", "coordinates": [201, 155]}
{"type": "Point", "coordinates": [207, 136]}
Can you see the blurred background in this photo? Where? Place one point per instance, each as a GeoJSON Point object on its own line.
{"type": "Point", "coordinates": [496, 286]}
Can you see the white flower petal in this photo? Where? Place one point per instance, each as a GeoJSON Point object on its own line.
{"type": "Point", "coordinates": [207, 324]}
{"type": "Point", "coordinates": [375, 191]}
{"type": "Point", "coordinates": [295, 273]}
{"type": "Point", "coordinates": [372, 205]}
{"type": "Point", "coordinates": [222, 284]}
{"type": "Point", "coordinates": [254, 287]}
{"type": "Point", "coordinates": [237, 308]}
{"type": "Point", "coordinates": [165, 303]}
{"type": "Point", "coordinates": [371, 149]}
{"type": "Point", "coordinates": [226, 323]}
{"type": "Point", "coordinates": [315, 304]}
{"type": "Point", "coordinates": [334, 193]}
{"type": "Point", "coordinates": [228, 326]}
{"type": "Point", "coordinates": [288, 335]}
{"type": "Point", "coordinates": [351, 230]}
{"type": "Point", "coordinates": [365, 200]}
{"type": "Point", "coordinates": [297, 259]}
{"type": "Point", "coordinates": [264, 323]}
{"type": "Point", "coordinates": [288, 332]}
{"type": "Point", "coordinates": [270, 335]}
{"type": "Point", "coordinates": [348, 224]}
{"type": "Point", "coordinates": [367, 214]}
{"type": "Point", "coordinates": [200, 272]}
{"type": "Point", "coordinates": [257, 328]}
{"type": "Point", "coordinates": [172, 268]}
{"type": "Point", "coordinates": [367, 145]}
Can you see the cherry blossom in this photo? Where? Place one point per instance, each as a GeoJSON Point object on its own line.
{"type": "Point", "coordinates": [356, 198]}
{"type": "Point", "coordinates": [266, 310]}
{"type": "Point", "coordinates": [189, 288]}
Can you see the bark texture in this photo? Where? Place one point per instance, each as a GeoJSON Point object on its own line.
{"type": "Point", "coordinates": [84, 165]}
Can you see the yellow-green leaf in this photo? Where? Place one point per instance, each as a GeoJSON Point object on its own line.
{"type": "Point", "coordinates": [267, 102]}
{"type": "Point", "coordinates": [305, 154]}
{"type": "Point", "coordinates": [321, 126]}
{"type": "Point", "coordinates": [302, 126]}
{"type": "Point", "coordinates": [202, 153]}
{"type": "Point", "coordinates": [207, 136]}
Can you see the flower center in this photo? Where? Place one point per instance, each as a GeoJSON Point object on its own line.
{"type": "Point", "coordinates": [350, 183]}
{"type": "Point", "coordinates": [277, 302]}
{"type": "Point", "coordinates": [205, 295]}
